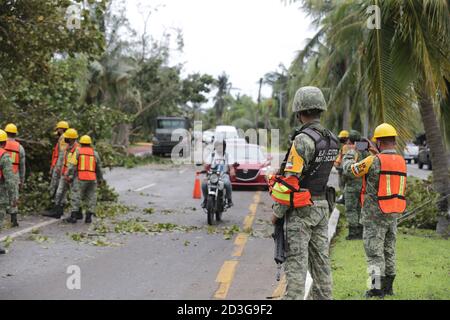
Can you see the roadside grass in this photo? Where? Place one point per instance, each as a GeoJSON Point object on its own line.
{"type": "Point", "coordinates": [423, 266]}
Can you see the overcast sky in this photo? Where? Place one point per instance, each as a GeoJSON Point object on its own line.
{"type": "Point", "coordinates": [244, 38]}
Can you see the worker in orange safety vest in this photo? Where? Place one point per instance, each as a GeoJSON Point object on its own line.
{"type": "Point", "coordinates": [85, 172]}
{"type": "Point", "coordinates": [383, 201]}
{"type": "Point", "coordinates": [17, 154]}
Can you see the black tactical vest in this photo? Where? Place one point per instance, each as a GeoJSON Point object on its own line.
{"type": "Point", "coordinates": [327, 148]}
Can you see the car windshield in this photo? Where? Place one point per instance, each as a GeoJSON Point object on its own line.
{"type": "Point", "coordinates": [245, 154]}
{"type": "Point", "coordinates": [170, 124]}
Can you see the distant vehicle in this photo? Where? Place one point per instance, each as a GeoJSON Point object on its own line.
{"type": "Point", "coordinates": [411, 153]}
{"type": "Point", "coordinates": [235, 141]}
{"type": "Point", "coordinates": [250, 163]}
{"type": "Point", "coordinates": [424, 157]}
{"type": "Point", "coordinates": [225, 132]}
{"type": "Point", "coordinates": [165, 126]}
{"type": "Point", "coordinates": [208, 136]}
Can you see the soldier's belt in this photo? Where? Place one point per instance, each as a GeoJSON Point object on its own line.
{"type": "Point", "coordinates": [317, 198]}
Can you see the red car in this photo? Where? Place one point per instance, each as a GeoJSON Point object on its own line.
{"type": "Point", "coordinates": [250, 164]}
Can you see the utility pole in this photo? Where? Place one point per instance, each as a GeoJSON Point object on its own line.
{"type": "Point", "coordinates": [281, 104]}
{"type": "Point", "coordinates": [259, 103]}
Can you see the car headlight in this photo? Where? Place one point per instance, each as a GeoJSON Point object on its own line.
{"type": "Point", "coordinates": [214, 178]}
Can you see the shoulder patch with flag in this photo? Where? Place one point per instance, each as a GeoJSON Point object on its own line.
{"type": "Point", "coordinates": [294, 162]}
{"type": "Point", "coordinates": [362, 168]}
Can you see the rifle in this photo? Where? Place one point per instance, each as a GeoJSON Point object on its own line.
{"type": "Point", "coordinates": [280, 245]}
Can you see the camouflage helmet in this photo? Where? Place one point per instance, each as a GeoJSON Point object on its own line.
{"type": "Point", "coordinates": [354, 136]}
{"type": "Point", "coordinates": [309, 98]}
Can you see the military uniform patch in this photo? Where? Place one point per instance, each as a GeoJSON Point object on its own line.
{"type": "Point", "coordinates": [294, 162]}
{"type": "Point", "coordinates": [362, 168]}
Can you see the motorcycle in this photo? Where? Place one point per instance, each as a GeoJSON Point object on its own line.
{"type": "Point", "coordinates": [216, 197]}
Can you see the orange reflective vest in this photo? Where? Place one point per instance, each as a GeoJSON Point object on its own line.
{"type": "Point", "coordinates": [392, 184]}
{"type": "Point", "coordinates": [13, 148]}
{"type": "Point", "coordinates": [69, 153]}
{"type": "Point", "coordinates": [287, 191]}
{"type": "Point", "coordinates": [55, 155]}
{"type": "Point", "coordinates": [2, 153]}
{"type": "Point", "coordinates": [86, 164]}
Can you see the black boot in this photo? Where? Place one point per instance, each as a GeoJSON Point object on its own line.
{"type": "Point", "coordinates": [351, 233]}
{"type": "Point", "coordinates": [2, 251]}
{"type": "Point", "coordinates": [80, 214]}
{"type": "Point", "coordinates": [89, 217]}
{"type": "Point", "coordinates": [229, 203]}
{"type": "Point", "coordinates": [204, 203]}
{"type": "Point", "coordinates": [376, 293]}
{"type": "Point", "coordinates": [359, 232]}
{"type": "Point", "coordinates": [388, 285]}
{"type": "Point", "coordinates": [14, 222]}
{"type": "Point", "coordinates": [72, 218]}
{"type": "Point", "coordinates": [56, 212]}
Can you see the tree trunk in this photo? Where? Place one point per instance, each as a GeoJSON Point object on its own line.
{"type": "Point", "coordinates": [346, 116]}
{"type": "Point", "coordinates": [441, 178]}
{"type": "Point", "coordinates": [365, 117]}
{"type": "Point", "coordinates": [122, 135]}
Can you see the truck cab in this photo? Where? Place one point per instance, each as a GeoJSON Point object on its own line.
{"type": "Point", "coordinates": [165, 127]}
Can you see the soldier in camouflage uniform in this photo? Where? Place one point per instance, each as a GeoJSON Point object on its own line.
{"type": "Point", "coordinates": [70, 138]}
{"type": "Point", "coordinates": [352, 189]}
{"type": "Point", "coordinates": [311, 159]}
{"type": "Point", "coordinates": [85, 169]}
{"type": "Point", "coordinates": [17, 153]}
{"type": "Point", "coordinates": [58, 152]}
{"type": "Point", "coordinates": [8, 185]}
{"type": "Point", "coordinates": [384, 186]}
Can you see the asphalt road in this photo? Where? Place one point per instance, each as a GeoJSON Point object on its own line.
{"type": "Point", "coordinates": [192, 262]}
{"type": "Point", "coordinates": [181, 264]}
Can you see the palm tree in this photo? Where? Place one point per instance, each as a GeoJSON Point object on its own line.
{"type": "Point", "coordinates": [411, 52]}
{"type": "Point", "coordinates": [223, 89]}
{"type": "Point", "coordinates": [403, 64]}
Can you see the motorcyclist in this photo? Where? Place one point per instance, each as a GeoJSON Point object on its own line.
{"type": "Point", "coordinates": [218, 159]}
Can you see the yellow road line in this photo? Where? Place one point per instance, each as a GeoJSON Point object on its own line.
{"type": "Point", "coordinates": [227, 271]}
{"type": "Point", "coordinates": [225, 277]}
{"type": "Point", "coordinates": [278, 293]}
{"type": "Point", "coordinates": [240, 242]}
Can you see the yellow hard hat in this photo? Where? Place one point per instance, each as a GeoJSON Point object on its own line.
{"type": "Point", "coordinates": [85, 140]}
{"type": "Point", "coordinates": [11, 128]}
{"type": "Point", "coordinates": [71, 134]}
{"type": "Point", "coordinates": [62, 125]}
{"type": "Point", "coordinates": [384, 130]}
{"type": "Point", "coordinates": [344, 134]}
{"type": "Point", "coordinates": [3, 136]}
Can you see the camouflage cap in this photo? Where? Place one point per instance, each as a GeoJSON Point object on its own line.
{"type": "Point", "coordinates": [309, 98]}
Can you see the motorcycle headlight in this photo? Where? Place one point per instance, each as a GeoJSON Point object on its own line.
{"type": "Point", "coordinates": [214, 178]}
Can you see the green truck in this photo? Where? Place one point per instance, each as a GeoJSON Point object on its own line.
{"type": "Point", "coordinates": [163, 142]}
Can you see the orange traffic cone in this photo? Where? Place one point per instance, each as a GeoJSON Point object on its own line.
{"type": "Point", "coordinates": [197, 194]}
